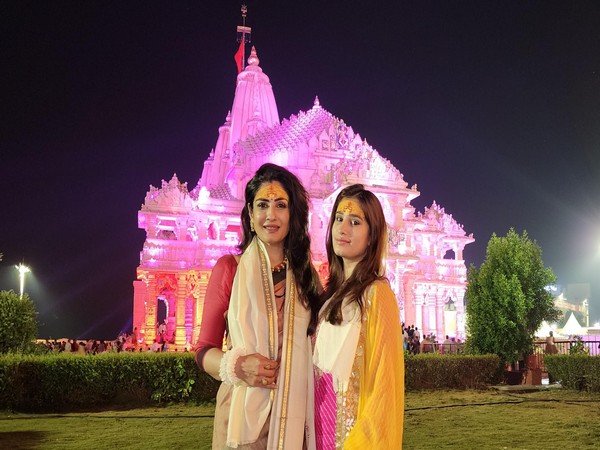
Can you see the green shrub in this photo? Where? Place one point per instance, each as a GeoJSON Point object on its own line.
{"type": "Point", "coordinates": [56, 382]}
{"type": "Point", "coordinates": [577, 346]}
{"type": "Point", "coordinates": [575, 371]}
{"type": "Point", "coordinates": [435, 371]}
{"type": "Point", "coordinates": [63, 382]}
{"type": "Point", "coordinates": [18, 323]}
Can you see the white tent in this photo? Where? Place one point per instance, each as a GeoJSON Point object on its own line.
{"type": "Point", "coordinates": [544, 330]}
{"type": "Point", "coordinates": [572, 327]}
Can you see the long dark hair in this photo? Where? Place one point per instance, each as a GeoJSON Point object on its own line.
{"type": "Point", "coordinates": [369, 269]}
{"type": "Point", "coordinates": [297, 241]}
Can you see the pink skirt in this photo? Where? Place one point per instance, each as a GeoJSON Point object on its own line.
{"type": "Point", "coordinates": [325, 412]}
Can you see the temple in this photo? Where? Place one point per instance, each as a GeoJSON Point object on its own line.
{"type": "Point", "coordinates": [188, 230]}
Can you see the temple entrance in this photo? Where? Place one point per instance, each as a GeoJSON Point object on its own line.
{"type": "Point", "coordinates": [162, 310]}
{"type": "Point", "coordinates": [162, 314]}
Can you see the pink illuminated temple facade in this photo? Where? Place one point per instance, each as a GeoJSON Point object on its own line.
{"type": "Point", "coordinates": [188, 230]}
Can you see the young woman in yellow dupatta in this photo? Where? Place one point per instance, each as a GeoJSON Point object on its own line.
{"type": "Point", "coordinates": [359, 356]}
{"type": "Point", "coordinates": [268, 299]}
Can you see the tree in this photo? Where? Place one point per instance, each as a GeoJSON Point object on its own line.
{"type": "Point", "coordinates": [507, 298]}
{"type": "Point", "coordinates": [18, 322]}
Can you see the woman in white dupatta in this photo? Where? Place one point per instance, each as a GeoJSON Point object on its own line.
{"type": "Point", "coordinates": [359, 354]}
{"type": "Point", "coordinates": [269, 299]}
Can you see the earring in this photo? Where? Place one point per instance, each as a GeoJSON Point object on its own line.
{"type": "Point", "coordinates": [252, 226]}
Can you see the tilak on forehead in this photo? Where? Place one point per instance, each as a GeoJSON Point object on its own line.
{"type": "Point", "coordinates": [350, 206]}
{"type": "Point", "coordinates": [272, 190]}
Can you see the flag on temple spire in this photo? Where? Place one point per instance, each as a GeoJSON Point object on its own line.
{"type": "Point", "coordinates": [243, 33]}
{"type": "Point", "coordinates": [239, 56]}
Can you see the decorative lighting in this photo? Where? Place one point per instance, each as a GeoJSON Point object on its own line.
{"type": "Point", "coordinates": [23, 269]}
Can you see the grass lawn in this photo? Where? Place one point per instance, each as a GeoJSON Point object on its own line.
{"type": "Point", "coordinates": [550, 419]}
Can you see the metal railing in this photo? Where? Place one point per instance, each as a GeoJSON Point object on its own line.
{"type": "Point", "coordinates": [436, 347]}
{"type": "Point", "coordinates": [563, 347]}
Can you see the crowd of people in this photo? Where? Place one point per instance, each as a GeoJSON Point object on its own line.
{"type": "Point", "coordinates": [83, 347]}
{"type": "Point", "coordinates": [411, 338]}
{"type": "Point", "coordinates": [125, 342]}
{"type": "Point", "coordinates": [130, 342]}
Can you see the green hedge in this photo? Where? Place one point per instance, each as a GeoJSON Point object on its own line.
{"type": "Point", "coordinates": [581, 372]}
{"type": "Point", "coordinates": [65, 382]}
{"type": "Point", "coordinates": [435, 371]}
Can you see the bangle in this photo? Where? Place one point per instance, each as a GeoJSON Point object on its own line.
{"type": "Point", "coordinates": [227, 366]}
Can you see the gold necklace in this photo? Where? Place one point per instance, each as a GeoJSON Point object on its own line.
{"type": "Point", "coordinates": [279, 267]}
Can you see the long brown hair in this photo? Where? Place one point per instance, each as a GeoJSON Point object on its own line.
{"type": "Point", "coordinates": [297, 242]}
{"type": "Point", "coordinates": [368, 269]}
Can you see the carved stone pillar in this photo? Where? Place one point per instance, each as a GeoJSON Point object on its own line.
{"type": "Point", "coordinates": [440, 330]}
{"type": "Point", "coordinates": [140, 298]}
{"type": "Point", "coordinates": [202, 229]}
{"type": "Point", "coordinates": [199, 296]}
{"type": "Point", "coordinates": [151, 304]}
{"type": "Point", "coordinates": [181, 228]}
{"type": "Point", "coordinates": [429, 325]}
{"type": "Point", "coordinates": [180, 297]}
{"type": "Point", "coordinates": [419, 301]}
{"type": "Point", "coordinates": [460, 313]}
{"type": "Point", "coordinates": [151, 231]}
{"type": "Point", "coordinates": [409, 300]}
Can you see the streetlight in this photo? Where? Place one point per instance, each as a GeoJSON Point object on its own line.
{"type": "Point", "coordinates": [23, 269]}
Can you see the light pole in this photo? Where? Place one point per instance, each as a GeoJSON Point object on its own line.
{"type": "Point", "coordinates": [23, 269]}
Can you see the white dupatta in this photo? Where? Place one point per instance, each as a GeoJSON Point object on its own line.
{"type": "Point", "coordinates": [253, 326]}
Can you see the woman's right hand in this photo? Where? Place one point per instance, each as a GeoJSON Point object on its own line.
{"type": "Point", "coordinates": [257, 370]}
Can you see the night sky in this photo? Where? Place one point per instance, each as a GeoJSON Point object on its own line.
{"type": "Point", "coordinates": [491, 108]}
